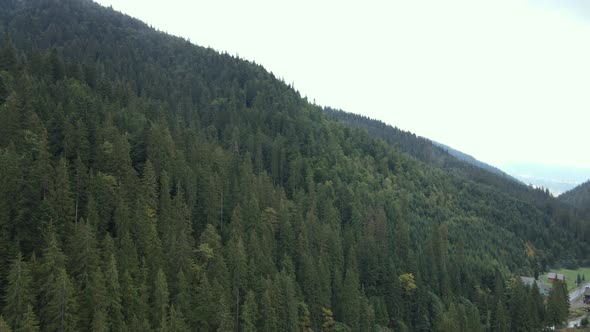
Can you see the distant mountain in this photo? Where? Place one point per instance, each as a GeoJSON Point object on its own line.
{"type": "Point", "coordinates": [558, 179]}
{"type": "Point", "coordinates": [438, 154]}
{"type": "Point", "coordinates": [470, 159]}
{"type": "Point", "coordinates": [578, 197]}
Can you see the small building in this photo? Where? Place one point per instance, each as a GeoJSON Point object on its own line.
{"type": "Point", "coordinates": [530, 281]}
{"type": "Point", "coordinates": [552, 276]}
{"type": "Point", "coordinates": [587, 295]}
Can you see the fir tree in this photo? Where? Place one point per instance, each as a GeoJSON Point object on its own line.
{"type": "Point", "coordinates": [160, 302]}
{"type": "Point", "coordinates": [19, 296]}
{"type": "Point", "coordinates": [249, 313]}
{"type": "Point", "coordinates": [29, 322]}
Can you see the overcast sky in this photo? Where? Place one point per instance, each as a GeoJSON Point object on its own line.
{"type": "Point", "coordinates": [503, 80]}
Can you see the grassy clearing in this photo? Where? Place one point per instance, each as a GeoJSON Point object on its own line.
{"type": "Point", "coordinates": [570, 276]}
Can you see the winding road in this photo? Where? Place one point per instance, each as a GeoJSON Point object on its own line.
{"type": "Point", "coordinates": [576, 301]}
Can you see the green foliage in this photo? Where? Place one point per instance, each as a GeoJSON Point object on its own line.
{"type": "Point", "coordinates": [19, 294]}
{"type": "Point", "coordinates": [151, 184]}
{"type": "Point", "coordinates": [557, 304]}
{"type": "Point", "coordinates": [29, 322]}
{"type": "Point", "coordinates": [4, 326]}
{"type": "Point", "coordinates": [249, 313]}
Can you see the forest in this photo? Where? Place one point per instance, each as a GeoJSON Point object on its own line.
{"type": "Point", "coordinates": [149, 184]}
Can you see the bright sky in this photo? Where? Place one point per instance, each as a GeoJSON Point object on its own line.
{"type": "Point", "coordinates": [503, 80]}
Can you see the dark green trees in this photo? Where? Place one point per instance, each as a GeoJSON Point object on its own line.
{"type": "Point", "coordinates": [19, 297]}
{"type": "Point", "coordinates": [150, 184]}
{"type": "Point", "coordinates": [558, 304]}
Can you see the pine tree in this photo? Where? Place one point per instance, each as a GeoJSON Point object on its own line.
{"type": "Point", "coordinates": [268, 308]}
{"type": "Point", "coordinates": [100, 321]}
{"type": "Point", "coordinates": [61, 201]}
{"type": "Point", "coordinates": [350, 299]}
{"type": "Point", "coordinates": [19, 296]}
{"type": "Point", "coordinates": [54, 305]}
{"type": "Point", "coordinates": [557, 304]}
{"type": "Point", "coordinates": [177, 321]}
{"type": "Point", "coordinates": [236, 259]}
{"type": "Point", "coordinates": [60, 311]}
{"type": "Point", "coordinates": [94, 298]}
{"type": "Point", "coordinates": [537, 307]}
{"type": "Point", "coordinates": [29, 322]}
{"type": "Point", "coordinates": [160, 300]}
{"type": "Point", "coordinates": [83, 256]}
{"type": "Point", "coordinates": [113, 297]}
{"type": "Point", "coordinates": [249, 313]}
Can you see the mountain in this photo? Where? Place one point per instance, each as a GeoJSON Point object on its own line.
{"type": "Point", "coordinates": [438, 155]}
{"type": "Point", "coordinates": [470, 159]}
{"type": "Point", "coordinates": [578, 197]}
{"type": "Point", "coordinates": [149, 184]}
{"type": "Point", "coordinates": [558, 179]}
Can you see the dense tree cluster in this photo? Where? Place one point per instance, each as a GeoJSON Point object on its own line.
{"type": "Point", "coordinates": [147, 184]}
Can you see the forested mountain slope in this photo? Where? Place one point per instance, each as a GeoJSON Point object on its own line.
{"type": "Point", "coordinates": [470, 159]}
{"type": "Point", "coordinates": [433, 153]}
{"type": "Point", "coordinates": [150, 184]}
{"type": "Point", "coordinates": [578, 197]}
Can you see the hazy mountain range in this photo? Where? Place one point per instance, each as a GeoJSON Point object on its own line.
{"type": "Point", "coordinates": [558, 179]}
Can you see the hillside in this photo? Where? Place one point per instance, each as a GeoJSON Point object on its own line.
{"type": "Point", "coordinates": [578, 197]}
{"type": "Point", "coordinates": [442, 156]}
{"type": "Point", "coordinates": [149, 184]}
{"type": "Point", "coordinates": [470, 159]}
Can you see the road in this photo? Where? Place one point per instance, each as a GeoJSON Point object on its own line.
{"type": "Point", "coordinates": [576, 301]}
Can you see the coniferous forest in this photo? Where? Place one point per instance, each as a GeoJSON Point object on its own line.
{"type": "Point", "coordinates": [149, 184]}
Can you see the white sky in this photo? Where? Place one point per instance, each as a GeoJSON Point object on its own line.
{"type": "Point", "coordinates": [502, 80]}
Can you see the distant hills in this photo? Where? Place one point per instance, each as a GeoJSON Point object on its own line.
{"type": "Point", "coordinates": [558, 179]}
{"type": "Point", "coordinates": [470, 159]}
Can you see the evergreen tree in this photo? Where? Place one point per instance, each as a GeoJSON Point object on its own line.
{"type": "Point", "coordinates": [19, 296]}
{"type": "Point", "coordinates": [94, 302]}
{"type": "Point", "coordinates": [160, 300]}
{"type": "Point", "coordinates": [4, 326]}
{"type": "Point", "coordinates": [177, 321]}
{"type": "Point", "coordinates": [113, 307]}
{"type": "Point", "coordinates": [59, 312]}
{"type": "Point", "coordinates": [557, 304]}
{"type": "Point", "coordinates": [61, 201]}
{"type": "Point", "coordinates": [236, 258]}
{"type": "Point", "coordinates": [29, 322]}
{"type": "Point", "coordinates": [249, 313]}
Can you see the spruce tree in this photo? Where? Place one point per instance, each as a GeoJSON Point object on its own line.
{"type": "Point", "coordinates": [160, 300]}
{"type": "Point", "coordinates": [177, 321]}
{"type": "Point", "coordinates": [249, 313]}
{"type": "Point", "coordinates": [19, 296]}
{"type": "Point", "coordinates": [29, 322]}
{"type": "Point", "coordinates": [60, 310]}
{"type": "Point", "coordinates": [113, 297]}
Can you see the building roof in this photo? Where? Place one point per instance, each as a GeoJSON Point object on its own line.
{"type": "Point", "coordinates": [553, 275]}
{"type": "Point", "coordinates": [587, 291]}
{"type": "Point", "coordinates": [529, 281]}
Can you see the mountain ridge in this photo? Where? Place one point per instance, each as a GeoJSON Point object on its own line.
{"type": "Point", "coordinates": [176, 188]}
